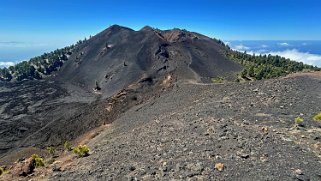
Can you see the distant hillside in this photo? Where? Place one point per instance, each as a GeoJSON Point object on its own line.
{"type": "Point", "coordinates": [267, 66]}
{"type": "Point", "coordinates": [40, 66]}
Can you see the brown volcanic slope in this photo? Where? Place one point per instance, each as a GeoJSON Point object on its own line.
{"type": "Point", "coordinates": [131, 66]}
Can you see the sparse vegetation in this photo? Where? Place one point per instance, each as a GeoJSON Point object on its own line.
{"type": "Point", "coordinates": [67, 146]}
{"type": "Point", "coordinates": [1, 171]}
{"type": "Point", "coordinates": [317, 117]}
{"type": "Point", "coordinates": [39, 161]}
{"type": "Point", "coordinates": [218, 80]}
{"type": "Point", "coordinates": [51, 150]}
{"type": "Point", "coordinates": [81, 150]}
{"type": "Point", "coordinates": [298, 121]}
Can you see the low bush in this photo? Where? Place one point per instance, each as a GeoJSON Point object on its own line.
{"type": "Point", "coordinates": [39, 161]}
{"type": "Point", "coordinates": [67, 146]}
{"type": "Point", "coordinates": [298, 121]}
{"type": "Point", "coordinates": [1, 171]}
{"type": "Point", "coordinates": [81, 150]}
{"type": "Point", "coordinates": [51, 150]}
{"type": "Point", "coordinates": [218, 80]}
{"type": "Point", "coordinates": [317, 117]}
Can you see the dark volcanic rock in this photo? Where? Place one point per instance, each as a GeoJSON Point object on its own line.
{"type": "Point", "coordinates": [147, 53]}
{"type": "Point", "coordinates": [184, 133]}
{"type": "Point", "coordinates": [166, 123]}
{"type": "Point", "coordinates": [133, 65]}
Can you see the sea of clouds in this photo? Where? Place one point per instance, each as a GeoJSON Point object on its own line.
{"type": "Point", "coordinates": [284, 49]}
{"type": "Point", "coordinates": [6, 64]}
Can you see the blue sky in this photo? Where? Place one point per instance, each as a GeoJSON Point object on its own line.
{"type": "Point", "coordinates": [42, 25]}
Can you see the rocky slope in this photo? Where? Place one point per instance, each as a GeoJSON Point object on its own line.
{"type": "Point", "coordinates": [129, 67]}
{"type": "Point", "coordinates": [157, 116]}
{"type": "Point", "coordinates": [248, 127]}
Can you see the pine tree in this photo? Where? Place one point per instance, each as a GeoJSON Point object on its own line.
{"type": "Point", "coordinates": [251, 71]}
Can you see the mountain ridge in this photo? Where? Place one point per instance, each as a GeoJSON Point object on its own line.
{"type": "Point", "coordinates": [191, 101]}
{"type": "Point", "coordinates": [97, 80]}
{"type": "Point", "coordinates": [50, 63]}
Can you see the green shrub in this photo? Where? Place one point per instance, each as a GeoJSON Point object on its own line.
{"type": "Point", "coordinates": [67, 146]}
{"type": "Point", "coordinates": [51, 150]}
{"type": "Point", "coordinates": [218, 80]}
{"type": "Point", "coordinates": [81, 150]}
{"type": "Point", "coordinates": [1, 171]}
{"type": "Point", "coordinates": [39, 161]}
{"type": "Point", "coordinates": [317, 117]}
{"type": "Point", "coordinates": [298, 121]}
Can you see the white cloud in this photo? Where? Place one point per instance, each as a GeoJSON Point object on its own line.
{"type": "Point", "coordinates": [16, 44]}
{"type": "Point", "coordinates": [11, 44]}
{"type": "Point", "coordinates": [294, 54]}
{"type": "Point", "coordinates": [305, 57]}
{"type": "Point", "coordinates": [6, 64]}
{"type": "Point", "coordinates": [284, 44]}
{"type": "Point", "coordinates": [241, 47]}
{"type": "Point", "coordinates": [262, 51]}
{"type": "Point", "coordinates": [227, 43]}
